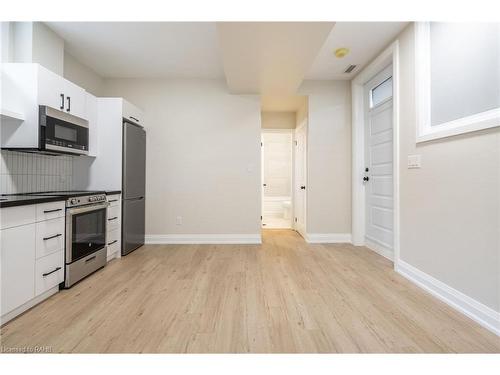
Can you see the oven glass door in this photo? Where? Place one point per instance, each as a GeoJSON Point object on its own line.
{"type": "Point", "coordinates": [64, 134]}
{"type": "Point", "coordinates": [88, 232]}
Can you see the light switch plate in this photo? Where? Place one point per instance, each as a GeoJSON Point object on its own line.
{"type": "Point", "coordinates": [414, 161]}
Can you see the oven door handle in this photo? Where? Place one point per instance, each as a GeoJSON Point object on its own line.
{"type": "Point", "coordinates": [92, 207]}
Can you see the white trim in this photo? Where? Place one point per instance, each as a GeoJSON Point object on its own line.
{"type": "Point", "coordinates": [379, 248]}
{"type": "Point", "coordinates": [328, 238]}
{"type": "Point", "coordinates": [387, 57]}
{"type": "Point", "coordinates": [165, 239]}
{"type": "Point", "coordinates": [426, 131]}
{"type": "Point", "coordinates": [482, 314]}
{"type": "Point", "coordinates": [28, 305]}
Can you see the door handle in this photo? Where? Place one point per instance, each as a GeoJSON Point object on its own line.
{"type": "Point", "coordinates": [69, 104]}
{"type": "Point", "coordinates": [302, 187]}
{"type": "Point", "coordinates": [264, 185]}
{"type": "Point", "coordinates": [366, 178]}
{"type": "Point", "coordinates": [62, 102]}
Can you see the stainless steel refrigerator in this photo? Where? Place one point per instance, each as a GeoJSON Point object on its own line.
{"type": "Point", "coordinates": [133, 187]}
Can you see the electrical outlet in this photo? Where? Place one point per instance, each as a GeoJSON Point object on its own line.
{"type": "Point", "coordinates": [414, 161]}
{"type": "Point", "coordinates": [178, 220]}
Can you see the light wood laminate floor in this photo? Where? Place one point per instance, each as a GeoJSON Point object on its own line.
{"type": "Point", "coordinates": [281, 296]}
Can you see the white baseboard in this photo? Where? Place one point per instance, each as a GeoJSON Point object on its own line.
{"type": "Point", "coordinates": [380, 248]}
{"type": "Point", "coordinates": [328, 238]}
{"type": "Point", "coordinates": [163, 239]}
{"type": "Point", "coordinates": [482, 314]}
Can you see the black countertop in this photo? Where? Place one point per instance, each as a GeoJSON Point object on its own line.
{"type": "Point", "coordinates": [12, 200]}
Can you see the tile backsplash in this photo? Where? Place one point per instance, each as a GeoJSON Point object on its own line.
{"type": "Point", "coordinates": [22, 172]}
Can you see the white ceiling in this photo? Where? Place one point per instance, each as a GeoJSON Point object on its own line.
{"type": "Point", "coordinates": [144, 49]}
{"type": "Point", "coordinates": [364, 39]}
{"type": "Point", "coordinates": [269, 57]}
{"type": "Point", "coordinates": [282, 103]}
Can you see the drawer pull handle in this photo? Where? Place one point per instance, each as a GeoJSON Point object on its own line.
{"type": "Point", "coordinates": [113, 200]}
{"type": "Point", "coordinates": [88, 260]}
{"type": "Point", "coordinates": [112, 242]}
{"type": "Point", "coordinates": [51, 237]}
{"type": "Point", "coordinates": [48, 273]}
{"type": "Point", "coordinates": [113, 218]}
{"type": "Point", "coordinates": [49, 211]}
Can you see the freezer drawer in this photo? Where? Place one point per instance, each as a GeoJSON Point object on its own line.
{"type": "Point", "coordinates": [133, 225]}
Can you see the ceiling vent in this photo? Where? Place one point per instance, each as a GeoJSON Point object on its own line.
{"type": "Point", "coordinates": [350, 68]}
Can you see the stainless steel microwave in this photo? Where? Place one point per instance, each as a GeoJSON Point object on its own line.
{"type": "Point", "coordinates": [62, 132]}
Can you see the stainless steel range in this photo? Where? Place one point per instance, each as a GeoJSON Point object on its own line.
{"type": "Point", "coordinates": [86, 221]}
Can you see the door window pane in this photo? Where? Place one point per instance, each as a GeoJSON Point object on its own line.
{"type": "Point", "coordinates": [381, 92]}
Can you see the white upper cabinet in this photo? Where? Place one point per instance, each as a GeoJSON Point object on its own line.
{"type": "Point", "coordinates": [132, 113]}
{"type": "Point", "coordinates": [25, 87]}
{"type": "Point", "coordinates": [91, 112]}
{"type": "Point", "coordinates": [59, 93]}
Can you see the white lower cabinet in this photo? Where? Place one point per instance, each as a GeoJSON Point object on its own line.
{"type": "Point", "coordinates": [113, 229]}
{"type": "Point", "coordinates": [18, 266]}
{"type": "Point", "coordinates": [31, 255]}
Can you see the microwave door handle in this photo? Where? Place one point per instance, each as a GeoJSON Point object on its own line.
{"type": "Point", "coordinates": [62, 102]}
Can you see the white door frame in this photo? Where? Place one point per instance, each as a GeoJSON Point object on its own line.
{"type": "Point", "coordinates": [390, 55]}
{"type": "Point", "coordinates": [292, 197]}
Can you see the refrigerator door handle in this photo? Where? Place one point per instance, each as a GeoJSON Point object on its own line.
{"type": "Point", "coordinates": [133, 199]}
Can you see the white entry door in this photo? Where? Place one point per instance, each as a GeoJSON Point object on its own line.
{"type": "Point", "coordinates": [378, 176]}
{"type": "Point", "coordinates": [300, 180]}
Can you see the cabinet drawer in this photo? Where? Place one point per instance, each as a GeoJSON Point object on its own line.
{"type": "Point", "coordinates": [50, 235]}
{"type": "Point", "coordinates": [15, 216]}
{"type": "Point", "coordinates": [113, 218]}
{"type": "Point", "coordinates": [114, 200]}
{"type": "Point", "coordinates": [49, 272]}
{"type": "Point", "coordinates": [52, 210]}
{"type": "Point", "coordinates": [113, 242]}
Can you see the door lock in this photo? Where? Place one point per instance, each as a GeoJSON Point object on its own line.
{"type": "Point", "coordinates": [303, 187]}
{"type": "Point", "coordinates": [366, 178]}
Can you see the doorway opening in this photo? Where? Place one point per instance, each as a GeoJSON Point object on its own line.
{"type": "Point", "coordinates": [277, 178]}
{"type": "Point", "coordinates": [283, 165]}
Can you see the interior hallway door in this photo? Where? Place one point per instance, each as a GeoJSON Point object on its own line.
{"type": "Point", "coordinates": [300, 180]}
{"type": "Point", "coordinates": [378, 176]}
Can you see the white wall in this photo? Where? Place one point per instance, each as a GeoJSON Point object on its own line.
{"type": "Point", "coordinates": [450, 208]}
{"type": "Point", "coordinates": [82, 75]}
{"type": "Point", "coordinates": [34, 42]}
{"type": "Point", "coordinates": [328, 156]}
{"type": "Point", "coordinates": [278, 120]}
{"type": "Point", "coordinates": [48, 48]}
{"type": "Point", "coordinates": [203, 155]}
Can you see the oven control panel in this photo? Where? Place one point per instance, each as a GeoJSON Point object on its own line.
{"type": "Point", "coordinates": [84, 200]}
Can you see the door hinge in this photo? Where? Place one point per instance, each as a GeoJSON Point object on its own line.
{"type": "Point", "coordinates": [261, 144]}
{"type": "Point", "coordinates": [295, 219]}
{"type": "Point", "coordinates": [296, 143]}
{"type": "Point", "coordinates": [261, 218]}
